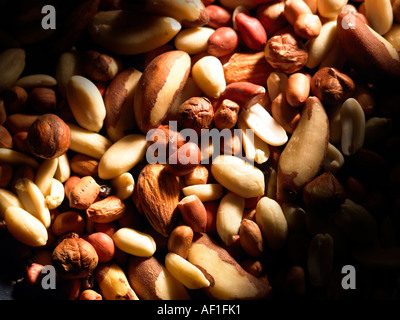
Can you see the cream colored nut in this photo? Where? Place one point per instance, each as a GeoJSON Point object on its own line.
{"type": "Point", "coordinates": [87, 142]}
{"type": "Point", "coordinates": [230, 280]}
{"type": "Point", "coordinates": [25, 227]}
{"type": "Point", "coordinates": [334, 58]}
{"type": "Point", "coordinates": [193, 40]}
{"type": "Point", "coordinates": [63, 171]}
{"type": "Point", "coordinates": [36, 80]}
{"type": "Point", "coordinates": [123, 185]}
{"type": "Point", "coordinates": [330, 8]}
{"type": "Point", "coordinates": [255, 149]}
{"type": "Point", "coordinates": [124, 32]}
{"type": "Point", "coordinates": [45, 174]}
{"type": "Point", "coordinates": [8, 199]}
{"type": "Point", "coordinates": [12, 64]}
{"type": "Point", "coordinates": [83, 92]}
{"type": "Point", "coordinates": [393, 36]}
{"type": "Point", "coordinates": [198, 176]}
{"type": "Point", "coordinates": [134, 242]}
{"type": "Point", "coordinates": [298, 89]}
{"type": "Point", "coordinates": [334, 159]}
{"type": "Point", "coordinates": [264, 125]}
{"type": "Point", "coordinates": [113, 282]}
{"type": "Point", "coordinates": [276, 84]}
{"type": "Point", "coordinates": [122, 156]}
{"type": "Point", "coordinates": [319, 47]}
{"type": "Point", "coordinates": [229, 217]}
{"type": "Point", "coordinates": [302, 159]}
{"type": "Point", "coordinates": [13, 157]}
{"type": "Point", "coordinates": [205, 192]}
{"type": "Point", "coordinates": [152, 281]}
{"type": "Point", "coordinates": [56, 194]}
{"type": "Point", "coordinates": [320, 259]}
{"type": "Point", "coordinates": [68, 65]}
{"type": "Point", "coordinates": [272, 222]}
{"type": "Point", "coordinates": [185, 272]}
{"type": "Point", "coordinates": [379, 14]}
{"type": "Point", "coordinates": [33, 200]}
{"type": "Point", "coordinates": [352, 119]}
{"type": "Point", "coordinates": [229, 172]}
{"type": "Point", "coordinates": [208, 73]}
{"type": "Point", "coordinates": [68, 221]}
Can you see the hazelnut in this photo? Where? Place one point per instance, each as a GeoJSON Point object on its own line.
{"type": "Point", "coordinates": [48, 136]}
{"type": "Point", "coordinates": [285, 53]}
{"type": "Point", "coordinates": [74, 257]}
{"type": "Point", "coordinates": [226, 115]}
{"type": "Point", "coordinates": [43, 100]}
{"type": "Point", "coordinates": [196, 113]}
{"type": "Point", "coordinates": [332, 86]}
{"type": "Point", "coordinates": [14, 99]}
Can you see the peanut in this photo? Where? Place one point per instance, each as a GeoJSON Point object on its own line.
{"type": "Point", "coordinates": [208, 73]}
{"type": "Point", "coordinates": [134, 242]}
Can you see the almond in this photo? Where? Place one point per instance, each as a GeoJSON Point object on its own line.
{"type": "Point", "coordinates": [158, 196]}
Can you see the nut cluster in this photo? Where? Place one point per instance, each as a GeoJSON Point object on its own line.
{"type": "Point", "coordinates": [101, 176]}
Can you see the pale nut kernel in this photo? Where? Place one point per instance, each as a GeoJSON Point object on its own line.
{"type": "Point", "coordinates": [285, 53]}
{"type": "Point", "coordinates": [206, 192]}
{"type": "Point", "coordinates": [199, 175]}
{"type": "Point", "coordinates": [193, 40]}
{"type": "Point", "coordinates": [134, 242]}
{"type": "Point", "coordinates": [208, 73]}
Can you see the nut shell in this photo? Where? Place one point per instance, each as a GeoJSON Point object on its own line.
{"type": "Point", "coordinates": [48, 137]}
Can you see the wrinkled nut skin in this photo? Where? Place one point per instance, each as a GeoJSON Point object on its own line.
{"type": "Point", "coordinates": [285, 53]}
{"type": "Point", "coordinates": [332, 86]}
{"type": "Point", "coordinates": [48, 137]}
{"type": "Point", "coordinates": [226, 115]}
{"type": "Point", "coordinates": [74, 258]}
{"type": "Point", "coordinates": [83, 193]}
{"type": "Point", "coordinates": [196, 113]}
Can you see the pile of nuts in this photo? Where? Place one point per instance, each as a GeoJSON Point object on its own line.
{"type": "Point", "coordinates": [101, 179]}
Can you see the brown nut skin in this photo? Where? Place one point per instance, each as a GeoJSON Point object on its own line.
{"type": "Point", "coordinates": [43, 100]}
{"type": "Point", "coordinates": [195, 113]}
{"type": "Point", "coordinates": [100, 67]}
{"type": "Point", "coordinates": [103, 244]}
{"type": "Point", "coordinates": [286, 53]}
{"type": "Point", "coordinates": [245, 93]}
{"type": "Point", "coordinates": [251, 238]}
{"type": "Point", "coordinates": [6, 140]}
{"type": "Point", "coordinates": [48, 137]}
{"type": "Point", "coordinates": [83, 193]}
{"type": "Point", "coordinates": [331, 86]}
{"type": "Point", "coordinates": [222, 42]}
{"type": "Point", "coordinates": [184, 160]}
{"type": "Point", "coordinates": [90, 294]}
{"type": "Point", "coordinates": [251, 31]}
{"type": "Point", "coordinates": [74, 258]}
{"type": "Point", "coordinates": [14, 99]}
{"type": "Point", "coordinates": [180, 240]}
{"type": "Point", "coordinates": [226, 115]}
{"type": "Point", "coordinates": [271, 16]}
{"type": "Point", "coordinates": [218, 16]}
{"type": "Point", "coordinates": [193, 213]}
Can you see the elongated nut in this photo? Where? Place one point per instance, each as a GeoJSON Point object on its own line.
{"type": "Point", "coordinates": [122, 156]}
{"type": "Point", "coordinates": [320, 259]}
{"type": "Point", "coordinates": [222, 42]}
{"type": "Point", "coordinates": [298, 89]}
{"type": "Point", "coordinates": [123, 185]}
{"type": "Point", "coordinates": [352, 119]}
{"type": "Point", "coordinates": [68, 221]}
{"type": "Point", "coordinates": [251, 238]}
{"type": "Point", "coordinates": [8, 199]}
{"type": "Point", "coordinates": [152, 281]}
{"type": "Point", "coordinates": [13, 157]}
{"type": "Point", "coordinates": [68, 65]}
{"type": "Point", "coordinates": [180, 240]}
{"type": "Point", "coordinates": [193, 213]}
{"type": "Point", "coordinates": [276, 83]}
{"type": "Point", "coordinates": [272, 222]}
{"type": "Point", "coordinates": [208, 73]}
{"type": "Point", "coordinates": [229, 170]}
{"type": "Point", "coordinates": [107, 210]}
{"type": "Point", "coordinates": [12, 65]}
{"type": "Point", "coordinates": [198, 176]}
{"type": "Point", "coordinates": [185, 272]}
{"type": "Point", "coordinates": [87, 142]}
{"type": "Point", "coordinates": [33, 200]}
{"type": "Point", "coordinates": [82, 91]}
{"type": "Point", "coordinates": [245, 93]}
{"type": "Point", "coordinates": [228, 279]}
{"type": "Point", "coordinates": [36, 80]}
{"type": "Point", "coordinates": [146, 31]}
{"type": "Point", "coordinates": [99, 66]}
{"type": "Point", "coordinates": [161, 82]}
{"type": "Point", "coordinates": [25, 227]}
{"type": "Point", "coordinates": [63, 170]}
{"type": "Point", "coordinates": [301, 160]}
{"type": "Point", "coordinates": [44, 175]}
{"type": "Point", "coordinates": [251, 31]}
{"type": "Point", "coordinates": [380, 15]}
{"type": "Point", "coordinates": [205, 192]}
{"type": "Point", "coordinates": [134, 242]}
{"type": "Point", "coordinates": [56, 195]}
{"type": "Point", "coordinates": [113, 282]}
{"type": "Point", "coordinates": [83, 193]}
{"type": "Point", "coordinates": [287, 116]}
{"type": "Point", "coordinates": [229, 217]}
{"type": "Point", "coordinates": [333, 160]}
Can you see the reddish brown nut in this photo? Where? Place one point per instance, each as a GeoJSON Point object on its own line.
{"type": "Point", "coordinates": [84, 165]}
{"type": "Point", "coordinates": [103, 244]}
{"type": "Point", "coordinates": [251, 238]}
{"type": "Point", "coordinates": [230, 143]}
{"type": "Point", "coordinates": [20, 141]}
{"type": "Point", "coordinates": [6, 140]}
{"type": "Point", "coordinates": [43, 100]}
{"type": "Point", "coordinates": [180, 240]}
{"type": "Point", "coordinates": [33, 273]}
{"type": "Point", "coordinates": [196, 113]}
{"type": "Point", "coordinates": [14, 99]}
{"type": "Point", "coordinates": [251, 31]}
{"type": "Point", "coordinates": [287, 116]}
{"type": "Point", "coordinates": [3, 112]}
{"type": "Point", "coordinates": [331, 86]}
{"type": "Point", "coordinates": [271, 16]}
{"type": "Point", "coordinates": [83, 193]}
{"type": "Point", "coordinates": [245, 93]}
{"type": "Point", "coordinates": [226, 115]}
{"type": "Point", "coordinates": [109, 209]}
{"type": "Point", "coordinates": [70, 183]}
{"type": "Point", "coordinates": [68, 221]}
{"type": "Point", "coordinates": [286, 53]}
{"type": "Point", "coordinates": [222, 42]}
{"type": "Point", "coordinates": [90, 294]}
{"type": "Point", "coordinates": [252, 266]}
{"type": "Point", "coordinates": [49, 137]}
{"type": "Point", "coordinates": [74, 258]}
{"type": "Point", "coordinates": [219, 16]}
{"type": "Point", "coordinates": [193, 213]}
{"type": "Point", "coordinates": [184, 160]}
{"type": "Point", "coordinates": [101, 67]}
{"type": "Point", "coordinates": [19, 122]}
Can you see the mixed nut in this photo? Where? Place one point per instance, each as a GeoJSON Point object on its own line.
{"type": "Point", "coordinates": [109, 173]}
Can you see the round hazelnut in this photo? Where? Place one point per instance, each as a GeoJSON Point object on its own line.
{"type": "Point", "coordinates": [195, 113]}
{"type": "Point", "coordinates": [48, 136]}
{"type": "Point", "coordinates": [285, 53]}
{"type": "Point", "coordinates": [74, 258]}
{"type": "Point", "coordinates": [43, 100]}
